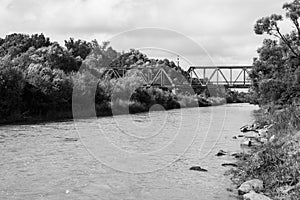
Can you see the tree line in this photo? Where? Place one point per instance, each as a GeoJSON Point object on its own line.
{"type": "Point", "coordinates": [37, 77]}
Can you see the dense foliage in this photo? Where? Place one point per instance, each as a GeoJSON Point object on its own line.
{"type": "Point", "coordinates": [276, 72]}
{"type": "Point", "coordinates": [37, 78]}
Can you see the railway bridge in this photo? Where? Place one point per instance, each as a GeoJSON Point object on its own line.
{"type": "Point", "coordinates": [196, 77]}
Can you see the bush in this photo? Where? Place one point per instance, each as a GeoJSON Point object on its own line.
{"type": "Point", "coordinates": [11, 89]}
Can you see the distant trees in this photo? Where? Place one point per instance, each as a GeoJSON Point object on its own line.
{"type": "Point", "coordinates": [35, 75]}
{"type": "Point", "coordinates": [275, 72]}
{"type": "Point", "coordinates": [37, 79]}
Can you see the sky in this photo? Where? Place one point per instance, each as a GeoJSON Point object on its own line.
{"type": "Point", "coordinates": [201, 32]}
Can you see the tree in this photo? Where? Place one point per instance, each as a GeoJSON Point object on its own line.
{"type": "Point", "coordinates": [39, 40]}
{"type": "Point", "coordinates": [78, 48]}
{"type": "Point", "coordinates": [273, 73]}
{"type": "Point", "coordinates": [11, 89]}
{"type": "Point", "coordinates": [59, 58]}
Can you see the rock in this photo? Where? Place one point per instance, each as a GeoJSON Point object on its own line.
{"type": "Point", "coordinates": [198, 168]}
{"type": "Point", "coordinates": [255, 126]}
{"type": "Point", "coordinates": [71, 139]}
{"type": "Point", "coordinates": [234, 137]}
{"type": "Point", "coordinates": [252, 127]}
{"type": "Point", "coordinates": [245, 128]}
{"type": "Point", "coordinates": [221, 153]}
{"type": "Point", "coordinates": [250, 143]}
{"type": "Point", "coordinates": [246, 143]}
{"type": "Point", "coordinates": [250, 185]}
{"type": "Point", "coordinates": [272, 138]}
{"type": "Point", "coordinates": [237, 155]}
{"type": "Point", "coordinates": [251, 134]}
{"type": "Point", "coordinates": [229, 164]}
{"type": "Point", "coordinates": [255, 196]}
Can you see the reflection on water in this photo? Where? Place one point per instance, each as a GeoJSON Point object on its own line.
{"type": "Point", "coordinates": [50, 161]}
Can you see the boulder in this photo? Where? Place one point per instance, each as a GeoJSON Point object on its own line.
{"type": "Point", "coordinates": [255, 196]}
{"type": "Point", "coordinates": [250, 185]}
{"type": "Point", "coordinates": [198, 168]}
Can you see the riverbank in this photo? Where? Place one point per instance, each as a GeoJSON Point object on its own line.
{"type": "Point", "coordinates": [275, 159]}
{"type": "Point", "coordinates": [104, 109]}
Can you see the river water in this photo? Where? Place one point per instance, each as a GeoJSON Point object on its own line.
{"type": "Point", "coordinates": [143, 156]}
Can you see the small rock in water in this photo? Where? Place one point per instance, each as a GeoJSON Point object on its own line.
{"type": "Point", "coordinates": [247, 128]}
{"type": "Point", "coordinates": [244, 128]}
{"type": "Point", "coordinates": [234, 137]}
{"type": "Point", "coordinates": [229, 164]}
{"type": "Point", "coordinates": [198, 168]}
{"type": "Point", "coordinates": [221, 153]}
{"type": "Point", "coordinates": [71, 139]}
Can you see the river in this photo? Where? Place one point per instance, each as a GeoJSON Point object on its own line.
{"type": "Point", "coordinates": [142, 156]}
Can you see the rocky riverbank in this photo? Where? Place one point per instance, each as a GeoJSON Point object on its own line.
{"type": "Point", "coordinates": [270, 169]}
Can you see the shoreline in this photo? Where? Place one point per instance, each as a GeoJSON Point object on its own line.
{"type": "Point", "coordinates": [265, 171]}
{"type": "Point", "coordinates": [68, 116]}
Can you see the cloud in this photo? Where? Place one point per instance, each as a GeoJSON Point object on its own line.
{"type": "Point", "coordinates": [223, 27]}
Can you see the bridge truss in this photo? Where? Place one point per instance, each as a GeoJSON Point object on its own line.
{"type": "Point", "coordinates": [229, 76]}
{"type": "Point", "coordinates": [200, 77]}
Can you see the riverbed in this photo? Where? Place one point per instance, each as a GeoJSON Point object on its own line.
{"type": "Point", "coordinates": [142, 156]}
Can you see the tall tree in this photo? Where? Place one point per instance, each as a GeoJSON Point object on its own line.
{"type": "Point", "coordinates": [78, 48]}
{"type": "Point", "coordinates": [273, 73]}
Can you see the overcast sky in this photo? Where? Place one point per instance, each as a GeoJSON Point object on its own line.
{"type": "Point", "coordinates": [223, 28]}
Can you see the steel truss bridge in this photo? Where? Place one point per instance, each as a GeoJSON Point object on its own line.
{"type": "Point", "coordinates": [198, 76]}
{"type": "Point", "coordinates": [228, 76]}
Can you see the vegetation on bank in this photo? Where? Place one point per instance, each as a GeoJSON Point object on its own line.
{"type": "Point", "coordinates": [37, 78]}
{"type": "Point", "coordinates": [276, 78]}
